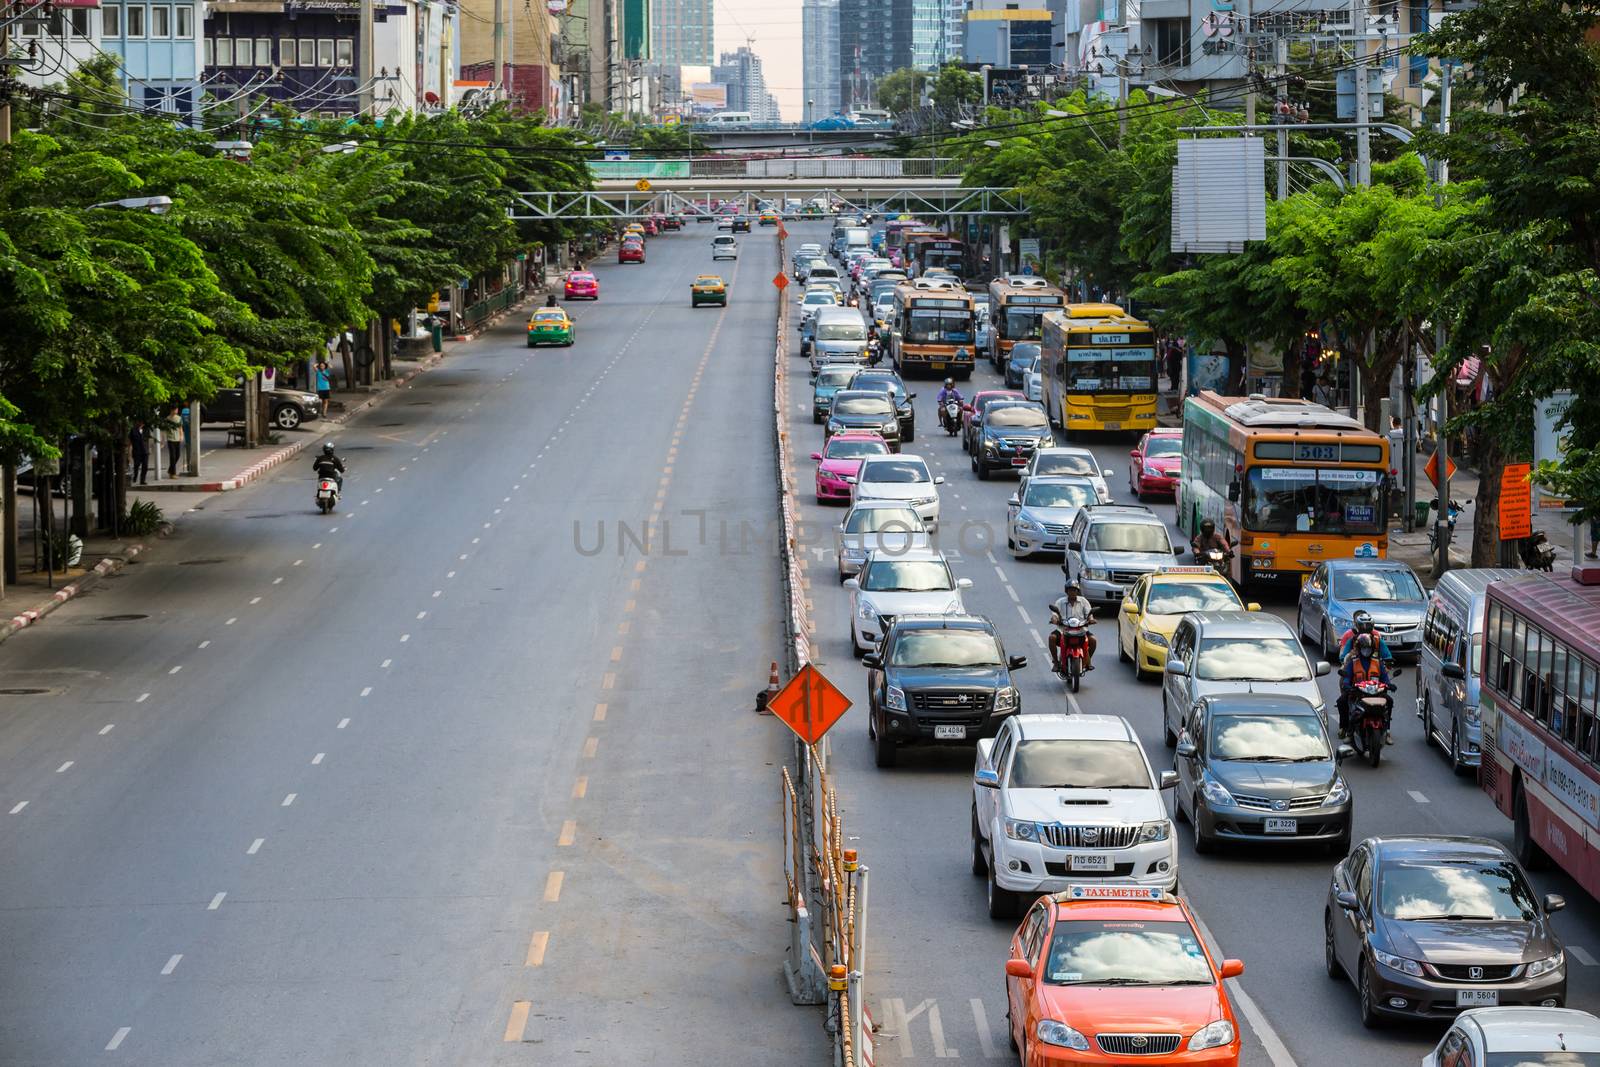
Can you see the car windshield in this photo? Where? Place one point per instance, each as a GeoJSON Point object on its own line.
{"type": "Point", "coordinates": [1176, 598]}
{"type": "Point", "coordinates": [1268, 739]}
{"type": "Point", "coordinates": [883, 520]}
{"type": "Point", "coordinates": [1064, 463]}
{"type": "Point", "coordinates": [946, 648]}
{"type": "Point", "coordinates": [1126, 952]}
{"type": "Point", "coordinates": [1251, 659]}
{"type": "Point", "coordinates": [926, 326]}
{"type": "Point", "coordinates": [1129, 537]}
{"type": "Point", "coordinates": [1467, 889]}
{"type": "Point", "coordinates": [908, 576]}
{"type": "Point", "coordinates": [1376, 585]}
{"type": "Point", "coordinates": [834, 376]}
{"type": "Point", "coordinates": [1306, 500]}
{"type": "Point", "coordinates": [862, 405]}
{"type": "Point", "coordinates": [841, 331]}
{"type": "Point", "coordinates": [900, 471]}
{"type": "Point", "coordinates": [548, 316]}
{"type": "Point", "coordinates": [1072, 763]}
{"type": "Point", "coordinates": [854, 448]}
{"type": "Point", "coordinates": [582, 277]}
{"type": "Point", "coordinates": [1059, 495]}
{"type": "Point", "coordinates": [818, 298]}
{"type": "Point", "coordinates": [1163, 446]}
{"type": "Point", "coordinates": [1016, 417]}
{"type": "Point", "coordinates": [1024, 353]}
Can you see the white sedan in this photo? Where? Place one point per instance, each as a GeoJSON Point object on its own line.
{"type": "Point", "coordinates": [903, 479]}
{"type": "Point", "coordinates": [1518, 1036]}
{"type": "Point", "coordinates": [914, 582]}
{"type": "Point", "coordinates": [867, 528]}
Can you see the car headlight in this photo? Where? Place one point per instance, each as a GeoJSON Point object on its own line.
{"type": "Point", "coordinates": [1218, 1033]}
{"type": "Point", "coordinates": [896, 700]}
{"type": "Point", "coordinates": [1153, 638]}
{"type": "Point", "coordinates": [1159, 830]}
{"type": "Point", "coordinates": [1005, 700]}
{"type": "Point", "coordinates": [1340, 626]}
{"type": "Point", "coordinates": [988, 444]}
{"type": "Point", "coordinates": [1025, 523]}
{"type": "Point", "coordinates": [1398, 963]}
{"type": "Point", "coordinates": [1546, 965]}
{"type": "Point", "coordinates": [1216, 794]}
{"type": "Point", "coordinates": [1339, 793]}
{"type": "Point", "coordinates": [834, 427]}
{"type": "Point", "coordinates": [1021, 830]}
{"type": "Point", "coordinates": [923, 501]}
{"type": "Point", "coordinates": [1061, 1035]}
{"type": "Point", "coordinates": [1094, 574]}
{"type": "Point", "coordinates": [1153, 473]}
{"type": "Point", "coordinates": [892, 426]}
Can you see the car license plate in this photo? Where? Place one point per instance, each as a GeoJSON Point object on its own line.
{"type": "Point", "coordinates": [1089, 863]}
{"type": "Point", "coordinates": [949, 733]}
{"type": "Point", "coordinates": [1477, 998]}
{"type": "Point", "coordinates": [1113, 426]}
{"type": "Point", "coordinates": [1281, 826]}
{"type": "Point", "coordinates": [1019, 461]}
{"type": "Point", "coordinates": [936, 366]}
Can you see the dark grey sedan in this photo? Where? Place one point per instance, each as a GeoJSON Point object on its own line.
{"type": "Point", "coordinates": [1259, 767]}
{"type": "Point", "coordinates": [1427, 927]}
{"type": "Point", "coordinates": [858, 409]}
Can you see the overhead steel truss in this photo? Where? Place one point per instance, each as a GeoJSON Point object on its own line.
{"type": "Point", "coordinates": [909, 198]}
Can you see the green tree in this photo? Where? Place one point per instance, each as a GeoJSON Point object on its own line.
{"type": "Point", "coordinates": [901, 90]}
{"type": "Point", "coordinates": [954, 86]}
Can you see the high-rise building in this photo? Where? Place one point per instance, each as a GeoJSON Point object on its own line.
{"type": "Point", "coordinates": [875, 39]}
{"type": "Point", "coordinates": [741, 72]}
{"type": "Point", "coordinates": [819, 22]}
{"type": "Point", "coordinates": [531, 68]}
{"type": "Point", "coordinates": [681, 33]}
{"type": "Point", "coordinates": [927, 34]}
{"type": "Point", "coordinates": [953, 31]}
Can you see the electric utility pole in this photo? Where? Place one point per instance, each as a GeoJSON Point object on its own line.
{"type": "Point", "coordinates": [1442, 519]}
{"type": "Point", "coordinates": [1358, 26]}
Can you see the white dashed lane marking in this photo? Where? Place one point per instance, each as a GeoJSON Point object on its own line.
{"type": "Point", "coordinates": [1418, 797]}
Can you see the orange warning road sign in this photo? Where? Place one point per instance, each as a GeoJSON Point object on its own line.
{"type": "Point", "coordinates": [781, 280]}
{"type": "Point", "coordinates": [1432, 469]}
{"type": "Point", "coordinates": [809, 704]}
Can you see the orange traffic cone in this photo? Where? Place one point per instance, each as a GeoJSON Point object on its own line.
{"type": "Point", "coordinates": [765, 696]}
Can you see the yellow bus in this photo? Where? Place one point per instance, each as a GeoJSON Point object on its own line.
{"type": "Point", "coordinates": [932, 328]}
{"type": "Point", "coordinates": [1017, 306]}
{"type": "Point", "coordinates": [1098, 369]}
{"type": "Point", "coordinates": [1291, 482]}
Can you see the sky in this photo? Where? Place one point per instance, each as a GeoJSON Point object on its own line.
{"type": "Point", "coordinates": [775, 26]}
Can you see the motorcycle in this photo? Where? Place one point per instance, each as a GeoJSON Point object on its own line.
{"type": "Point", "coordinates": [1537, 553]}
{"type": "Point", "coordinates": [1216, 559]}
{"type": "Point", "coordinates": [950, 417]}
{"type": "Point", "coordinates": [1070, 647]}
{"type": "Point", "coordinates": [1370, 705]}
{"type": "Point", "coordinates": [327, 494]}
{"type": "Point", "coordinates": [1450, 519]}
{"type": "Point", "coordinates": [874, 353]}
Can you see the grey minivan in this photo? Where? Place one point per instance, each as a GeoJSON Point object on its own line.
{"type": "Point", "coordinates": [838, 335]}
{"type": "Point", "coordinates": [1452, 653]}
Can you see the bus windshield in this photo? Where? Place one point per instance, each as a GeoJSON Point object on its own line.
{"type": "Point", "coordinates": [1307, 500]}
{"type": "Point", "coordinates": [930, 326]}
{"type": "Point", "coordinates": [1101, 370]}
{"type": "Point", "coordinates": [1022, 323]}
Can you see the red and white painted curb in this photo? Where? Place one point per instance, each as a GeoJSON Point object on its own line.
{"type": "Point", "coordinates": [799, 613]}
{"type": "Point", "coordinates": [109, 565]}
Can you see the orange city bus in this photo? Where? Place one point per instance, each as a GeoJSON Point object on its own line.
{"type": "Point", "coordinates": [1017, 304]}
{"type": "Point", "coordinates": [932, 328]}
{"type": "Point", "coordinates": [1291, 482]}
{"type": "Point", "coordinates": [1539, 677]}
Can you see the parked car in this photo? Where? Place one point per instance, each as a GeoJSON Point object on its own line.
{"type": "Point", "coordinates": [938, 679]}
{"type": "Point", "coordinates": [289, 407]}
{"type": "Point", "coordinates": [1259, 767]}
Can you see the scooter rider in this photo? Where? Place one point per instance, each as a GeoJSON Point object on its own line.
{"type": "Point", "coordinates": [948, 393]}
{"type": "Point", "coordinates": [329, 465]}
{"type": "Point", "coordinates": [1363, 664]}
{"type": "Point", "coordinates": [1208, 538]}
{"type": "Point", "coordinates": [1072, 603]}
{"type": "Point", "coordinates": [1361, 623]}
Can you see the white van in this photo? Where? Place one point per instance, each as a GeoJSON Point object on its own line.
{"type": "Point", "coordinates": [1452, 653]}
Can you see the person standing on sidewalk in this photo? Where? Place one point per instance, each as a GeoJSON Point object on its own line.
{"type": "Point", "coordinates": [324, 383]}
{"type": "Point", "coordinates": [139, 441]}
{"type": "Point", "coordinates": [172, 429]}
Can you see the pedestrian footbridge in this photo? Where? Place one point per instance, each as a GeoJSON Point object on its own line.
{"type": "Point", "coordinates": [622, 199]}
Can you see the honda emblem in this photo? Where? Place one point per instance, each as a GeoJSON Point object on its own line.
{"type": "Point", "coordinates": [1475, 973]}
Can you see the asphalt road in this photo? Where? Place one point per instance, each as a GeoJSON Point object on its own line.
{"type": "Point", "coordinates": [455, 775]}
{"type": "Point", "coordinates": [935, 958]}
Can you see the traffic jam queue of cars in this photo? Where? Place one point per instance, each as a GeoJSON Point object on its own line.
{"type": "Point", "coordinates": [1071, 827]}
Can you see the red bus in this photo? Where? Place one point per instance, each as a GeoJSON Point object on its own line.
{"type": "Point", "coordinates": [1541, 671]}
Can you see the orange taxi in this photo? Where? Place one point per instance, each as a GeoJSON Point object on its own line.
{"type": "Point", "coordinates": [1101, 973]}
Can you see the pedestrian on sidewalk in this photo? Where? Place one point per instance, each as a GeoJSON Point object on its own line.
{"type": "Point", "coordinates": [324, 382]}
{"type": "Point", "coordinates": [139, 440]}
{"type": "Point", "coordinates": [172, 429]}
{"type": "Point", "coordinates": [1174, 363]}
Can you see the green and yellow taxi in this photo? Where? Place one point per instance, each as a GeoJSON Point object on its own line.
{"type": "Point", "coordinates": [769, 218]}
{"type": "Point", "coordinates": [708, 289]}
{"type": "Point", "coordinates": [1158, 602]}
{"type": "Point", "coordinates": [549, 326]}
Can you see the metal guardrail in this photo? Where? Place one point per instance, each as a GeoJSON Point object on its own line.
{"type": "Point", "coordinates": [475, 315]}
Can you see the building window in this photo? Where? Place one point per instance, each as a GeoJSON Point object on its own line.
{"type": "Point", "coordinates": [184, 14]}
{"type": "Point", "coordinates": [325, 52]}
{"type": "Point", "coordinates": [135, 21]}
{"type": "Point", "coordinates": [263, 51]}
{"type": "Point", "coordinates": [286, 51]}
{"type": "Point", "coordinates": [307, 54]}
{"type": "Point", "coordinates": [224, 51]}
{"type": "Point", "coordinates": [64, 23]}
{"type": "Point", "coordinates": [345, 52]}
{"type": "Point", "coordinates": [160, 21]}
{"type": "Point", "coordinates": [242, 53]}
{"type": "Point", "coordinates": [209, 52]}
{"type": "Point", "coordinates": [111, 22]}
{"type": "Point", "coordinates": [1171, 41]}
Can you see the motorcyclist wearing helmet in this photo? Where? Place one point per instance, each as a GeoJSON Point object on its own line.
{"type": "Point", "coordinates": [1072, 603]}
{"type": "Point", "coordinates": [1209, 537]}
{"type": "Point", "coordinates": [329, 465]}
{"type": "Point", "coordinates": [1361, 623]}
{"type": "Point", "coordinates": [949, 392]}
{"type": "Point", "coordinates": [1362, 664]}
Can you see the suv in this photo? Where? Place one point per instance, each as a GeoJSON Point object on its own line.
{"type": "Point", "coordinates": [1006, 435]}
{"type": "Point", "coordinates": [1058, 799]}
{"type": "Point", "coordinates": [1111, 546]}
{"type": "Point", "coordinates": [741, 224]}
{"type": "Point", "coordinates": [938, 679]}
{"type": "Point", "coordinates": [1220, 652]}
{"type": "Point", "coordinates": [290, 407]}
{"type": "Point", "coordinates": [724, 246]}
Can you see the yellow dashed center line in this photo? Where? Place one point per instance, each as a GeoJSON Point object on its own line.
{"type": "Point", "coordinates": [569, 833]}
{"type": "Point", "coordinates": [590, 747]}
{"type": "Point", "coordinates": [599, 713]}
{"type": "Point", "coordinates": [536, 946]}
{"type": "Point", "coordinates": [552, 889]}
{"type": "Point", "coordinates": [518, 1021]}
{"type": "Point", "coordinates": [580, 788]}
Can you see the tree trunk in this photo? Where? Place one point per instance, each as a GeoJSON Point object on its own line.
{"type": "Point", "coordinates": [1486, 506]}
{"type": "Point", "coordinates": [1238, 357]}
{"type": "Point", "coordinates": [1291, 371]}
{"type": "Point", "coordinates": [8, 522]}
